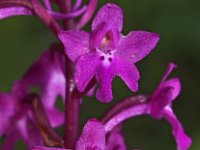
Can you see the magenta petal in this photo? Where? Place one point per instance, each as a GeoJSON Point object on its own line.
{"type": "Point", "coordinates": [48, 74]}
{"type": "Point", "coordinates": [92, 137]}
{"type": "Point", "coordinates": [175, 84]}
{"type": "Point", "coordinates": [14, 11]}
{"type": "Point", "coordinates": [24, 130]}
{"type": "Point", "coordinates": [56, 117]}
{"type": "Point", "coordinates": [110, 14]}
{"type": "Point", "coordinates": [7, 110]}
{"type": "Point", "coordinates": [159, 101]}
{"type": "Point", "coordinates": [169, 69]}
{"type": "Point", "coordinates": [47, 148]}
{"type": "Point", "coordinates": [54, 87]}
{"type": "Point", "coordinates": [30, 134]}
{"type": "Point", "coordinates": [124, 69]}
{"type": "Point", "coordinates": [85, 70]}
{"type": "Point", "coordinates": [97, 35]}
{"type": "Point", "coordinates": [19, 90]}
{"type": "Point", "coordinates": [104, 77]}
{"type": "Point", "coordinates": [76, 43]}
{"type": "Point", "coordinates": [101, 32]}
{"type": "Point", "coordinates": [115, 141]}
{"type": "Point", "coordinates": [182, 140]}
{"type": "Point", "coordinates": [128, 73]}
{"type": "Point", "coordinates": [136, 45]}
{"type": "Point", "coordinates": [11, 137]}
{"type": "Point", "coordinates": [166, 92]}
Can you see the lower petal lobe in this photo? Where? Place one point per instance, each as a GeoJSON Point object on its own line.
{"type": "Point", "coordinates": [85, 70]}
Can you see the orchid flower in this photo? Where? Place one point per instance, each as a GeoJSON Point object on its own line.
{"type": "Point", "coordinates": [158, 105]}
{"type": "Point", "coordinates": [106, 53]}
{"type": "Point", "coordinates": [47, 73]}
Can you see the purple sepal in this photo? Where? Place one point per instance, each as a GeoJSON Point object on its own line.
{"type": "Point", "coordinates": [165, 93]}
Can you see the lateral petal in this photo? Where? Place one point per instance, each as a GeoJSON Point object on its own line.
{"type": "Point", "coordinates": [85, 70]}
{"type": "Point", "coordinates": [76, 43]}
{"type": "Point", "coordinates": [136, 45]}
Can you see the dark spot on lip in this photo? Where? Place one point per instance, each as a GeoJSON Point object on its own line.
{"type": "Point", "coordinates": [102, 58]}
{"type": "Point", "coordinates": [110, 59]}
{"type": "Point", "coordinates": [109, 52]}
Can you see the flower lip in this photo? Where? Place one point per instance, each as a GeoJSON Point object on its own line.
{"type": "Point", "coordinates": [106, 57]}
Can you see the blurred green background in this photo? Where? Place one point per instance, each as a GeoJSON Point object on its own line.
{"type": "Point", "coordinates": [22, 39]}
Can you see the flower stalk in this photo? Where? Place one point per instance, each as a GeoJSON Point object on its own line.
{"type": "Point", "coordinates": [72, 102]}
